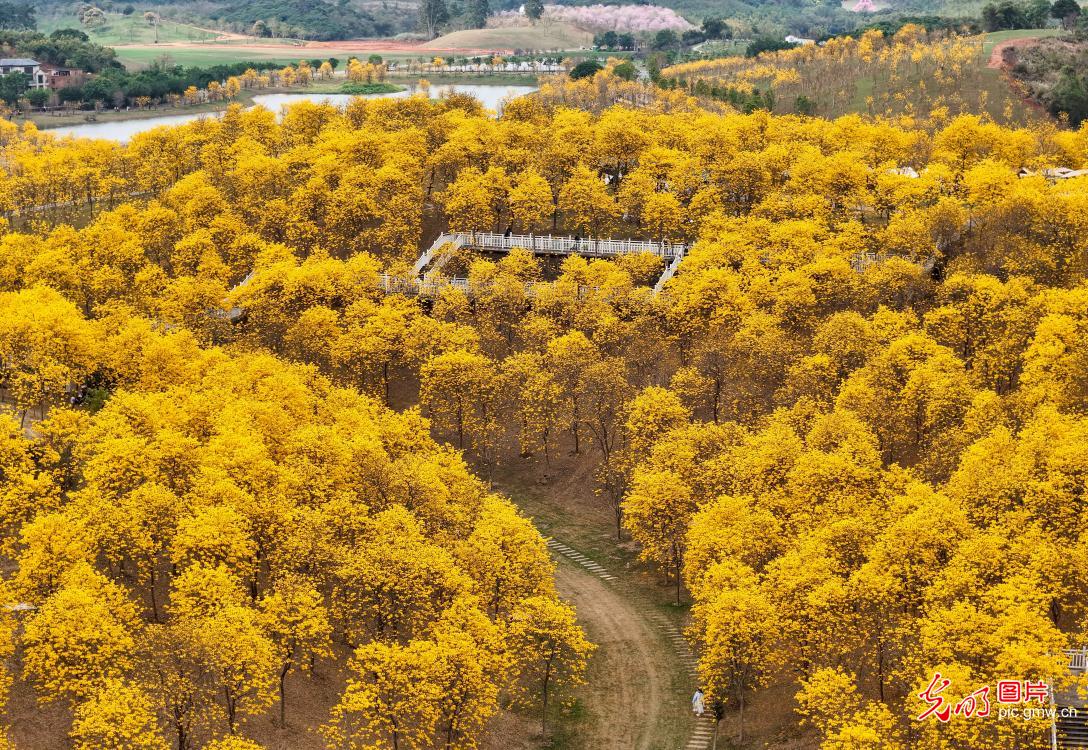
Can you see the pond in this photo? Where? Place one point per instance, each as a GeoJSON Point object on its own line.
{"type": "Point", "coordinates": [490, 95]}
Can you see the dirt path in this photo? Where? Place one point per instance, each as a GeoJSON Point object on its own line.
{"type": "Point", "coordinates": [221, 35]}
{"type": "Point", "coordinates": [240, 43]}
{"type": "Point", "coordinates": [997, 53]}
{"type": "Point", "coordinates": [642, 673]}
{"type": "Point", "coordinates": [627, 690]}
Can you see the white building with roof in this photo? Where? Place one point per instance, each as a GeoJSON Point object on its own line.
{"type": "Point", "coordinates": [38, 78]}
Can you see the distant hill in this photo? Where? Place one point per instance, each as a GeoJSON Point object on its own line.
{"type": "Point", "coordinates": [543, 37]}
{"type": "Point", "coordinates": [325, 20]}
{"type": "Point", "coordinates": [320, 20]}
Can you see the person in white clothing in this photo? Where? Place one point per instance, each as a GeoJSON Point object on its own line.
{"type": "Point", "coordinates": [697, 702]}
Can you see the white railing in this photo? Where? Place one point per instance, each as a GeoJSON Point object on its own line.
{"type": "Point", "coordinates": [673, 253]}
{"type": "Point", "coordinates": [668, 273]}
{"type": "Point", "coordinates": [862, 261]}
{"type": "Point", "coordinates": [1078, 659]}
{"type": "Point", "coordinates": [546, 243]}
{"type": "Point", "coordinates": [434, 287]}
{"type": "Point", "coordinates": [449, 243]}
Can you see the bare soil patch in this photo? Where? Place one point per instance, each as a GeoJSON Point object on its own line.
{"type": "Point", "coordinates": [629, 692]}
{"type": "Point", "coordinates": [269, 48]}
{"type": "Point", "coordinates": [997, 54]}
{"type": "Point", "coordinates": [548, 36]}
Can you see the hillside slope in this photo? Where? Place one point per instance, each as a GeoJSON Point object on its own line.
{"type": "Point", "coordinates": [321, 20]}
{"type": "Point", "coordinates": [545, 37]}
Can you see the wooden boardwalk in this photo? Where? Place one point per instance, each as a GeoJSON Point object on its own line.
{"type": "Point", "coordinates": [1069, 726]}
{"type": "Point", "coordinates": [548, 244]}
{"type": "Point", "coordinates": [426, 282]}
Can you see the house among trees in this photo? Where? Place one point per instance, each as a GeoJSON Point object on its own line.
{"type": "Point", "coordinates": [31, 68]}
{"type": "Point", "coordinates": [57, 77]}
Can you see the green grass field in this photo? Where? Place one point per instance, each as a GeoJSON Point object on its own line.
{"type": "Point", "coordinates": [141, 57]}
{"type": "Point", "coordinates": [136, 58]}
{"type": "Point", "coordinates": [133, 29]}
{"type": "Point", "coordinates": [995, 37]}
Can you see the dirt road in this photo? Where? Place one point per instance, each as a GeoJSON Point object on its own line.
{"type": "Point", "coordinates": [643, 672]}
{"type": "Point", "coordinates": [997, 60]}
{"type": "Point", "coordinates": [627, 691]}
{"type": "Point", "coordinates": [243, 44]}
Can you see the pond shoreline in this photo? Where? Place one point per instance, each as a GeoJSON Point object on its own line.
{"type": "Point", "coordinates": [121, 126]}
{"type": "Point", "coordinates": [47, 122]}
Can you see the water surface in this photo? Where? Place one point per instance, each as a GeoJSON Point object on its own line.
{"type": "Point", "coordinates": [490, 95]}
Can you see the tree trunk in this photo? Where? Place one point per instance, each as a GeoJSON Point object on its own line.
{"type": "Point", "coordinates": [740, 721]}
{"type": "Point", "coordinates": [880, 668]}
{"type": "Point", "coordinates": [283, 693]}
{"type": "Point", "coordinates": [154, 597]}
{"type": "Point", "coordinates": [717, 398]}
{"type": "Point", "coordinates": [544, 709]}
{"type": "Point", "coordinates": [231, 712]}
{"type": "Point", "coordinates": [679, 564]}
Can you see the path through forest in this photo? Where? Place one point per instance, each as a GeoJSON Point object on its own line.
{"type": "Point", "coordinates": [642, 675]}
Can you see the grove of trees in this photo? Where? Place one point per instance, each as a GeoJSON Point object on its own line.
{"type": "Point", "coordinates": [911, 73]}
{"type": "Point", "coordinates": [851, 430]}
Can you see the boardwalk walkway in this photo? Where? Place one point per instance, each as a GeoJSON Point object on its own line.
{"type": "Point", "coordinates": [547, 244]}
{"type": "Point", "coordinates": [426, 283]}
{"type": "Point", "coordinates": [425, 280]}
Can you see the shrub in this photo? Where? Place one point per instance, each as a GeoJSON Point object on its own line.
{"type": "Point", "coordinates": [585, 69]}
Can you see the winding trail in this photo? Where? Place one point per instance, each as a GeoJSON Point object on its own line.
{"type": "Point", "coordinates": [643, 673]}
{"type": "Point", "coordinates": [997, 61]}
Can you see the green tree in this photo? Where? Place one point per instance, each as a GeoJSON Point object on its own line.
{"type": "Point", "coordinates": [17, 16]}
{"type": "Point", "coordinates": [432, 14]}
{"type": "Point", "coordinates": [766, 44]}
{"type": "Point", "coordinates": [478, 11]}
{"type": "Point", "coordinates": [666, 39]}
{"type": "Point", "coordinates": [13, 86]}
{"type": "Point", "coordinates": [585, 69]}
{"type": "Point", "coordinates": [625, 70]}
{"type": "Point", "coordinates": [37, 97]}
{"type": "Point", "coordinates": [1065, 11]}
{"type": "Point", "coordinates": [715, 27]}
